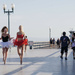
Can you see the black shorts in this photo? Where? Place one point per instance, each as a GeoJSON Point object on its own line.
{"type": "Point", "coordinates": [64, 49]}
{"type": "Point", "coordinates": [53, 43]}
{"type": "Point", "coordinates": [50, 42]}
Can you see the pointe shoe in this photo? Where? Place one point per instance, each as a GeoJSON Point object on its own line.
{"type": "Point", "coordinates": [20, 58]}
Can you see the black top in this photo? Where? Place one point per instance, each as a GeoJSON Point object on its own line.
{"type": "Point", "coordinates": [64, 41]}
{"type": "Point", "coordinates": [5, 39]}
{"type": "Point", "coordinates": [50, 41]}
{"type": "Point", "coordinates": [73, 39]}
{"type": "Point", "coordinates": [53, 41]}
{"type": "Point", "coordinates": [58, 42]}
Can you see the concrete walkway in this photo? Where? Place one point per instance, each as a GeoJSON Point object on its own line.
{"type": "Point", "coordinates": [37, 62]}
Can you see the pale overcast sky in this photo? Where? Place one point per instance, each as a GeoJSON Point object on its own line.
{"type": "Point", "coordinates": [37, 16]}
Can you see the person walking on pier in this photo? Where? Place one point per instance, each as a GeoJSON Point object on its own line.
{"type": "Point", "coordinates": [64, 40]}
{"type": "Point", "coordinates": [20, 42]}
{"type": "Point", "coordinates": [51, 42]}
{"type": "Point", "coordinates": [73, 45]}
{"type": "Point", "coordinates": [58, 43]}
{"type": "Point", "coordinates": [6, 43]}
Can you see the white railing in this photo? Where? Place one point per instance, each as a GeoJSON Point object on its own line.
{"type": "Point", "coordinates": [39, 45]}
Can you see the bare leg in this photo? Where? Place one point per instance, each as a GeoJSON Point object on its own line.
{"type": "Point", "coordinates": [54, 46]}
{"type": "Point", "coordinates": [21, 54]}
{"type": "Point", "coordinates": [6, 55]}
{"type": "Point", "coordinates": [51, 45]}
{"type": "Point", "coordinates": [25, 48]}
{"type": "Point", "coordinates": [3, 53]}
{"type": "Point", "coordinates": [18, 51]}
{"type": "Point", "coordinates": [22, 50]}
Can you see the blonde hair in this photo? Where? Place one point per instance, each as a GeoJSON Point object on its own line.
{"type": "Point", "coordinates": [21, 27]}
{"type": "Point", "coordinates": [22, 31]}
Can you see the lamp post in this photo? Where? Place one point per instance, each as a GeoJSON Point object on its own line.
{"type": "Point", "coordinates": [8, 12]}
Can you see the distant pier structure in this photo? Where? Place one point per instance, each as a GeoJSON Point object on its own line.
{"type": "Point", "coordinates": [71, 32]}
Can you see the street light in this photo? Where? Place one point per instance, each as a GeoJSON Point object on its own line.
{"type": "Point", "coordinates": [8, 12]}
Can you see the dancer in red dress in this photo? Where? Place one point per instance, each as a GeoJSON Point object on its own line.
{"type": "Point", "coordinates": [20, 42]}
{"type": "Point", "coordinates": [26, 43]}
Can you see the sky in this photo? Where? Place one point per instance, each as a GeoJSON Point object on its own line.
{"type": "Point", "coordinates": [37, 16]}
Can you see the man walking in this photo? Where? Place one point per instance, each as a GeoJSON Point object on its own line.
{"type": "Point", "coordinates": [64, 40]}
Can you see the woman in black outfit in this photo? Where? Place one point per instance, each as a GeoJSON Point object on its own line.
{"type": "Point", "coordinates": [51, 42]}
{"type": "Point", "coordinates": [5, 44]}
{"type": "Point", "coordinates": [73, 45]}
{"type": "Point", "coordinates": [58, 43]}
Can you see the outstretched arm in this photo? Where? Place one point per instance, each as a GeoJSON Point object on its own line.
{"type": "Point", "coordinates": [10, 37]}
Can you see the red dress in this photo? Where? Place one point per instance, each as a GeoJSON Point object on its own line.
{"type": "Point", "coordinates": [26, 41]}
{"type": "Point", "coordinates": [19, 43]}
